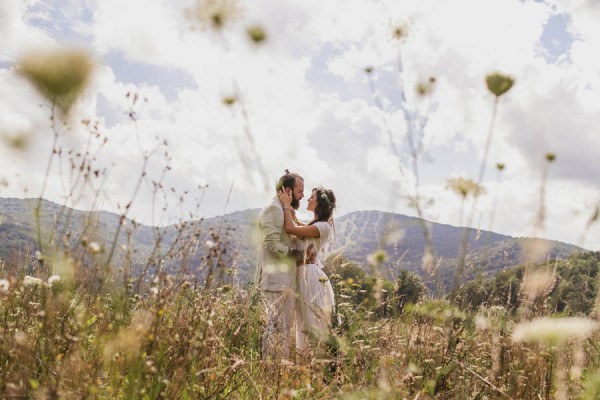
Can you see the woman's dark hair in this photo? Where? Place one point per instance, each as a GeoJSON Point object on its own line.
{"type": "Point", "coordinates": [287, 180]}
{"type": "Point", "coordinates": [325, 205]}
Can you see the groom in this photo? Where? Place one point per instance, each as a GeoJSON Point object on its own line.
{"type": "Point", "coordinates": [276, 269]}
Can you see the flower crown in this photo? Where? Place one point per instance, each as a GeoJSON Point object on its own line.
{"type": "Point", "coordinates": [325, 198]}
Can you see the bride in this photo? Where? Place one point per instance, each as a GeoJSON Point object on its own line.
{"type": "Point", "coordinates": [316, 302]}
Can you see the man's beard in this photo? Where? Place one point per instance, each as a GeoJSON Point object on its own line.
{"type": "Point", "coordinates": [295, 202]}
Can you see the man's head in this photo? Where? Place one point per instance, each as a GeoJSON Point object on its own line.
{"type": "Point", "coordinates": [294, 182]}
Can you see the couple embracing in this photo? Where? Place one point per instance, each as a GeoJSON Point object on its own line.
{"type": "Point", "coordinates": [298, 295]}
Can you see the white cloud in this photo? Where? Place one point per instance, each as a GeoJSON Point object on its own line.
{"type": "Point", "coordinates": [309, 107]}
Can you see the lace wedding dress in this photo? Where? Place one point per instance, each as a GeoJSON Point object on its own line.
{"type": "Point", "coordinates": [316, 301]}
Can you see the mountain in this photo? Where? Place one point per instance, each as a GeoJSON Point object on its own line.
{"type": "Point", "coordinates": [358, 234]}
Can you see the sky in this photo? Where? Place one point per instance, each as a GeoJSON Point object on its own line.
{"type": "Point", "coordinates": [303, 101]}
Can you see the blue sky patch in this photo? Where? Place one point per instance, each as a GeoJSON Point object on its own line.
{"type": "Point", "coordinates": [556, 39]}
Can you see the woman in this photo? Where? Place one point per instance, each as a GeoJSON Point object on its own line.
{"type": "Point", "coordinates": [316, 300]}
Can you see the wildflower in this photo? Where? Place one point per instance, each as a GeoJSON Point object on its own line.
{"type": "Point", "coordinates": [214, 14]}
{"type": "Point", "coordinates": [500, 166]}
{"type": "Point", "coordinates": [229, 101]}
{"type": "Point", "coordinates": [52, 279]}
{"type": "Point", "coordinates": [4, 286]}
{"type": "Point", "coordinates": [498, 83]}
{"type": "Point", "coordinates": [210, 244]}
{"type": "Point", "coordinates": [17, 140]}
{"type": "Point", "coordinates": [39, 256]}
{"type": "Point", "coordinates": [95, 248]}
{"type": "Point", "coordinates": [553, 331]}
{"type": "Point", "coordinates": [550, 157]}
{"type": "Point", "coordinates": [32, 281]}
{"type": "Point", "coordinates": [400, 31]}
{"type": "Point", "coordinates": [377, 257]}
{"type": "Point", "coordinates": [426, 88]}
{"type": "Point", "coordinates": [59, 75]}
{"type": "Point", "coordinates": [465, 187]}
{"type": "Point", "coordinates": [21, 338]}
{"type": "Point", "coordinates": [154, 291]}
{"type": "Point", "coordinates": [481, 323]}
{"type": "Point", "coordinates": [369, 70]}
{"type": "Point", "coordinates": [256, 33]}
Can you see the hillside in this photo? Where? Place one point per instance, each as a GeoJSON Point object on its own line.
{"type": "Point", "coordinates": [358, 234]}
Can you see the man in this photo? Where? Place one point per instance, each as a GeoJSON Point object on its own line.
{"type": "Point", "coordinates": [276, 269]}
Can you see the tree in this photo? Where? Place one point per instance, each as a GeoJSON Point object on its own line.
{"type": "Point", "coordinates": [410, 289]}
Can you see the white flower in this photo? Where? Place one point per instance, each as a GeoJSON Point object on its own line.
{"type": "Point", "coordinates": [154, 291]}
{"type": "Point", "coordinates": [210, 244]}
{"type": "Point", "coordinates": [4, 286]}
{"type": "Point", "coordinates": [481, 323]}
{"type": "Point", "coordinates": [52, 279]}
{"type": "Point", "coordinates": [554, 330]}
{"type": "Point", "coordinates": [32, 281]}
{"type": "Point", "coordinates": [95, 247]}
{"type": "Point", "coordinates": [39, 256]}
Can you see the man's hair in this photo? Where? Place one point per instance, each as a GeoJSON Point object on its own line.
{"type": "Point", "coordinates": [288, 180]}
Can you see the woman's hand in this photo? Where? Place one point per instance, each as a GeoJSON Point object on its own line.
{"type": "Point", "coordinates": [285, 196]}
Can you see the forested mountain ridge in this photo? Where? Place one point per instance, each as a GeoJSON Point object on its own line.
{"type": "Point", "coordinates": [358, 234]}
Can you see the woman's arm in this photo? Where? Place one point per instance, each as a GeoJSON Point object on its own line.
{"type": "Point", "coordinates": [307, 231]}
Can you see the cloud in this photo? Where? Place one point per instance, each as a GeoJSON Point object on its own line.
{"type": "Point", "coordinates": [302, 101]}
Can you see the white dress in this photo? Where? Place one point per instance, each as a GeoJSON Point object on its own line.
{"type": "Point", "coordinates": [316, 301]}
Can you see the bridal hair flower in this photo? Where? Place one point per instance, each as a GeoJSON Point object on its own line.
{"type": "Point", "coordinates": [326, 199]}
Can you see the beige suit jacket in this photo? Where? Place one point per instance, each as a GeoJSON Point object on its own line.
{"type": "Point", "coordinates": [275, 271]}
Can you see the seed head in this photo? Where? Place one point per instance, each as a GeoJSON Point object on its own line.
{"type": "Point", "coordinates": [59, 75]}
{"type": "Point", "coordinates": [213, 14]}
{"type": "Point", "coordinates": [400, 31]}
{"type": "Point", "coordinates": [229, 100]}
{"type": "Point", "coordinates": [465, 187]}
{"type": "Point", "coordinates": [256, 33]}
{"type": "Point", "coordinates": [498, 83]}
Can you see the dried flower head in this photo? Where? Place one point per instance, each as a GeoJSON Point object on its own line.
{"type": "Point", "coordinates": [32, 281]}
{"type": "Point", "coordinates": [256, 33]}
{"type": "Point", "coordinates": [426, 88]}
{"type": "Point", "coordinates": [500, 166]}
{"type": "Point", "coordinates": [553, 331]}
{"type": "Point", "coordinates": [213, 14]}
{"type": "Point", "coordinates": [400, 31]}
{"type": "Point", "coordinates": [550, 157]}
{"type": "Point", "coordinates": [59, 75]}
{"type": "Point", "coordinates": [378, 257]}
{"type": "Point", "coordinates": [498, 83]}
{"type": "Point", "coordinates": [229, 100]}
{"type": "Point", "coordinates": [95, 248]}
{"type": "Point", "coordinates": [465, 187]}
{"type": "Point", "coordinates": [368, 70]}
{"type": "Point", "coordinates": [4, 286]}
{"type": "Point", "coordinates": [53, 279]}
